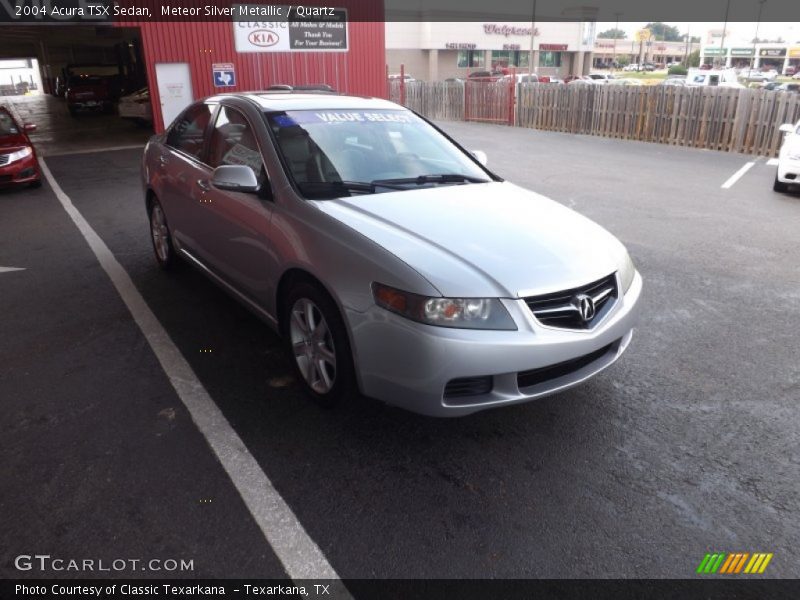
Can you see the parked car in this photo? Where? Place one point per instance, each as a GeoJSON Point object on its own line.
{"type": "Point", "coordinates": [397, 77]}
{"type": "Point", "coordinates": [793, 88]}
{"type": "Point", "coordinates": [136, 107]}
{"type": "Point", "coordinates": [713, 78]}
{"type": "Point", "coordinates": [790, 71]}
{"type": "Point", "coordinates": [18, 164]}
{"type": "Point", "coordinates": [88, 93]}
{"type": "Point", "coordinates": [631, 67]}
{"type": "Point", "coordinates": [648, 67]}
{"type": "Point", "coordinates": [582, 79]}
{"type": "Point", "coordinates": [602, 77]}
{"type": "Point", "coordinates": [485, 76]}
{"type": "Point", "coordinates": [521, 78]}
{"type": "Point", "coordinates": [788, 169]}
{"type": "Point", "coordinates": [625, 81]}
{"type": "Point", "coordinates": [360, 232]}
{"type": "Point", "coordinates": [796, 76]}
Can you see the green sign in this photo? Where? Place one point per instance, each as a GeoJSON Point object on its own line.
{"type": "Point", "coordinates": [742, 52]}
{"type": "Point", "coordinates": [715, 51]}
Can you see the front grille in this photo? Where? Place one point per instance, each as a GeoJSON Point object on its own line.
{"type": "Point", "coordinates": [4, 159]}
{"type": "Point", "coordinates": [560, 309]}
{"type": "Point", "coordinates": [536, 376]}
{"type": "Point", "coordinates": [468, 386]}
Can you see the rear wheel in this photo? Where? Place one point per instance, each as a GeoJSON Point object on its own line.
{"type": "Point", "coordinates": [318, 341]}
{"type": "Point", "coordinates": [161, 238]}
{"type": "Point", "coordinates": [779, 186]}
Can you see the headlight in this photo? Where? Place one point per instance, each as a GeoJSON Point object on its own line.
{"type": "Point", "coordinates": [462, 313]}
{"type": "Point", "coordinates": [20, 154]}
{"type": "Point", "coordinates": [626, 273]}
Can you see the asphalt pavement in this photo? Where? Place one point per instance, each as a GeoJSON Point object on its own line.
{"type": "Point", "coordinates": [687, 445]}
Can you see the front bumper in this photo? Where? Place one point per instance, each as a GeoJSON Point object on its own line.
{"type": "Point", "coordinates": [789, 171]}
{"type": "Point", "coordinates": [408, 364]}
{"type": "Point", "coordinates": [20, 172]}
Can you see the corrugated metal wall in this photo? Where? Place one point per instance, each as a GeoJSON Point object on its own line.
{"type": "Point", "coordinates": [360, 70]}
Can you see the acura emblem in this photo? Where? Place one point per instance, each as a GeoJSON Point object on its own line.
{"type": "Point", "coordinates": [585, 306]}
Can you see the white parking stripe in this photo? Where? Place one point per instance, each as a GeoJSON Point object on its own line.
{"type": "Point", "coordinates": [736, 176]}
{"type": "Point", "coordinates": [773, 162]}
{"type": "Point", "coordinates": [298, 553]}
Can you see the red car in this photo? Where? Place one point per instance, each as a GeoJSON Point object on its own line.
{"type": "Point", "coordinates": [18, 164]}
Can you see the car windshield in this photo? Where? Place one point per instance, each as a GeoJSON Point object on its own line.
{"type": "Point", "coordinates": [7, 125]}
{"type": "Point", "coordinates": [333, 153]}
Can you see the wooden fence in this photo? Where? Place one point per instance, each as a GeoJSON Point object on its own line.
{"type": "Point", "coordinates": [727, 119]}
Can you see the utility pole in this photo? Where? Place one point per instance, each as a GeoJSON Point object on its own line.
{"type": "Point", "coordinates": [724, 30]}
{"type": "Point", "coordinates": [533, 37]}
{"type": "Point", "coordinates": [686, 53]}
{"type": "Point", "coordinates": [616, 27]}
{"type": "Point", "coordinates": [761, 4]}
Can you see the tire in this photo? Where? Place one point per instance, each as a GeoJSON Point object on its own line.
{"type": "Point", "coordinates": [36, 184]}
{"type": "Point", "coordinates": [161, 238]}
{"type": "Point", "coordinates": [318, 344]}
{"type": "Point", "coordinates": [779, 186]}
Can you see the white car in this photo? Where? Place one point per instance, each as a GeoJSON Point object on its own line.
{"type": "Point", "coordinates": [631, 67]}
{"type": "Point", "coordinates": [796, 75]}
{"type": "Point", "coordinates": [789, 158]}
{"type": "Point", "coordinates": [136, 106]}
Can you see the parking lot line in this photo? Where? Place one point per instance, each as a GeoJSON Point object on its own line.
{"type": "Point", "coordinates": [299, 555]}
{"type": "Point", "coordinates": [736, 176]}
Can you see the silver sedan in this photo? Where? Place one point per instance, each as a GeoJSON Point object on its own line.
{"type": "Point", "coordinates": [390, 259]}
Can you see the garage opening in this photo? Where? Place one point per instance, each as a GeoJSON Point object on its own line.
{"type": "Point", "coordinates": [83, 86]}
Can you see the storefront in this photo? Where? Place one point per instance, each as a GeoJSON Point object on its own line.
{"type": "Point", "coordinates": [608, 51]}
{"type": "Point", "coordinates": [784, 58]}
{"type": "Point", "coordinates": [438, 51]}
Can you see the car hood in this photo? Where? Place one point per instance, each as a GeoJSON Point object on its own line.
{"type": "Point", "coordinates": [494, 239]}
{"type": "Point", "coordinates": [13, 141]}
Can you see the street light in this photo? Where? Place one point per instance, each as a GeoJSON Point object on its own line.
{"type": "Point", "coordinates": [761, 4]}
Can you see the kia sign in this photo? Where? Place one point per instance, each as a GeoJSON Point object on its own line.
{"type": "Point", "coordinates": [293, 29]}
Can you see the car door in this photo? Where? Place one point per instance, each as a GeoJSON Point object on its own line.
{"type": "Point", "coordinates": [236, 225]}
{"type": "Point", "coordinates": [181, 165]}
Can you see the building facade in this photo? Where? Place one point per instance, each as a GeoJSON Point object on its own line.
{"type": "Point", "coordinates": [781, 57]}
{"type": "Point", "coordinates": [607, 51]}
{"type": "Point", "coordinates": [436, 51]}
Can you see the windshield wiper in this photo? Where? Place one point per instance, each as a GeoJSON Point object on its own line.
{"type": "Point", "coordinates": [321, 187]}
{"type": "Point", "coordinates": [440, 178]}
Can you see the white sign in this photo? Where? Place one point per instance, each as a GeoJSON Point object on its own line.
{"type": "Point", "coordinates": [293, 29]}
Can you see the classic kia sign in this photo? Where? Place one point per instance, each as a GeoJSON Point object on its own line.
{"type": "Point", "coordinates": [293, 29]}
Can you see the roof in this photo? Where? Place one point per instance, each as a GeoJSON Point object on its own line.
{"type": "Point", "coordinates": [298, 101]}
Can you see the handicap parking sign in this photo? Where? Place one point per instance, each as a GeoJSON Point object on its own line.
{"type": "Point", "coordinates": [224, 74]}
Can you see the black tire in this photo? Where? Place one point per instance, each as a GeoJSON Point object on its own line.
{"type": "Point", "coordinates": [164, 253]}
{"type": "Point", "coordinates": [342, 378]}
{"type": "Point", "coordinates": [779, 186]}
{"type": "Point", "coordinates": [36, 184]}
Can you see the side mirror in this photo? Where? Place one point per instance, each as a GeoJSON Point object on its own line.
{"type": "Point", "coordinates": [26, 127]}
{"type": "Point", "coordinates": [235, 178]}
{"type": "Point", "coordinates": [786, 128]}
{"type": "Point", "coordinates": [480, 156]}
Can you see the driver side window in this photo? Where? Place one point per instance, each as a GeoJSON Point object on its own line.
{"type": "Point", "coordinates": [233, 142]}
{"type": "Point", "coordinates": [187, 133]}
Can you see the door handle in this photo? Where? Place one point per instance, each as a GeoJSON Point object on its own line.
{"type": "Point", "coordinates": [204, 185]}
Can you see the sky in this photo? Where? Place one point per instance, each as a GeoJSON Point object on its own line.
{"type": "Point", "coordinates": [736, 32]}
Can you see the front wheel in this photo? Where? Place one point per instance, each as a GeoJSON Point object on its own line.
{"type": "Point", "coordinates": [160, 236]}
{"type": "Point", "coordinates": [318, 341]}
{"type": "Point", "coordinates": [779, 186]}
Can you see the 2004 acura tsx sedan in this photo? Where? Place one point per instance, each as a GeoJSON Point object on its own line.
{"type": "Point", "coordinates": [388, 257]}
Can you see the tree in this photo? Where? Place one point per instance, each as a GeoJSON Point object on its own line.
{"type": "Point", "coordinates": [664, 33]}
{"type": "Point", "coordinates": [694, 59]}
{"type": "Point", "coordinates": [613, 34]}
